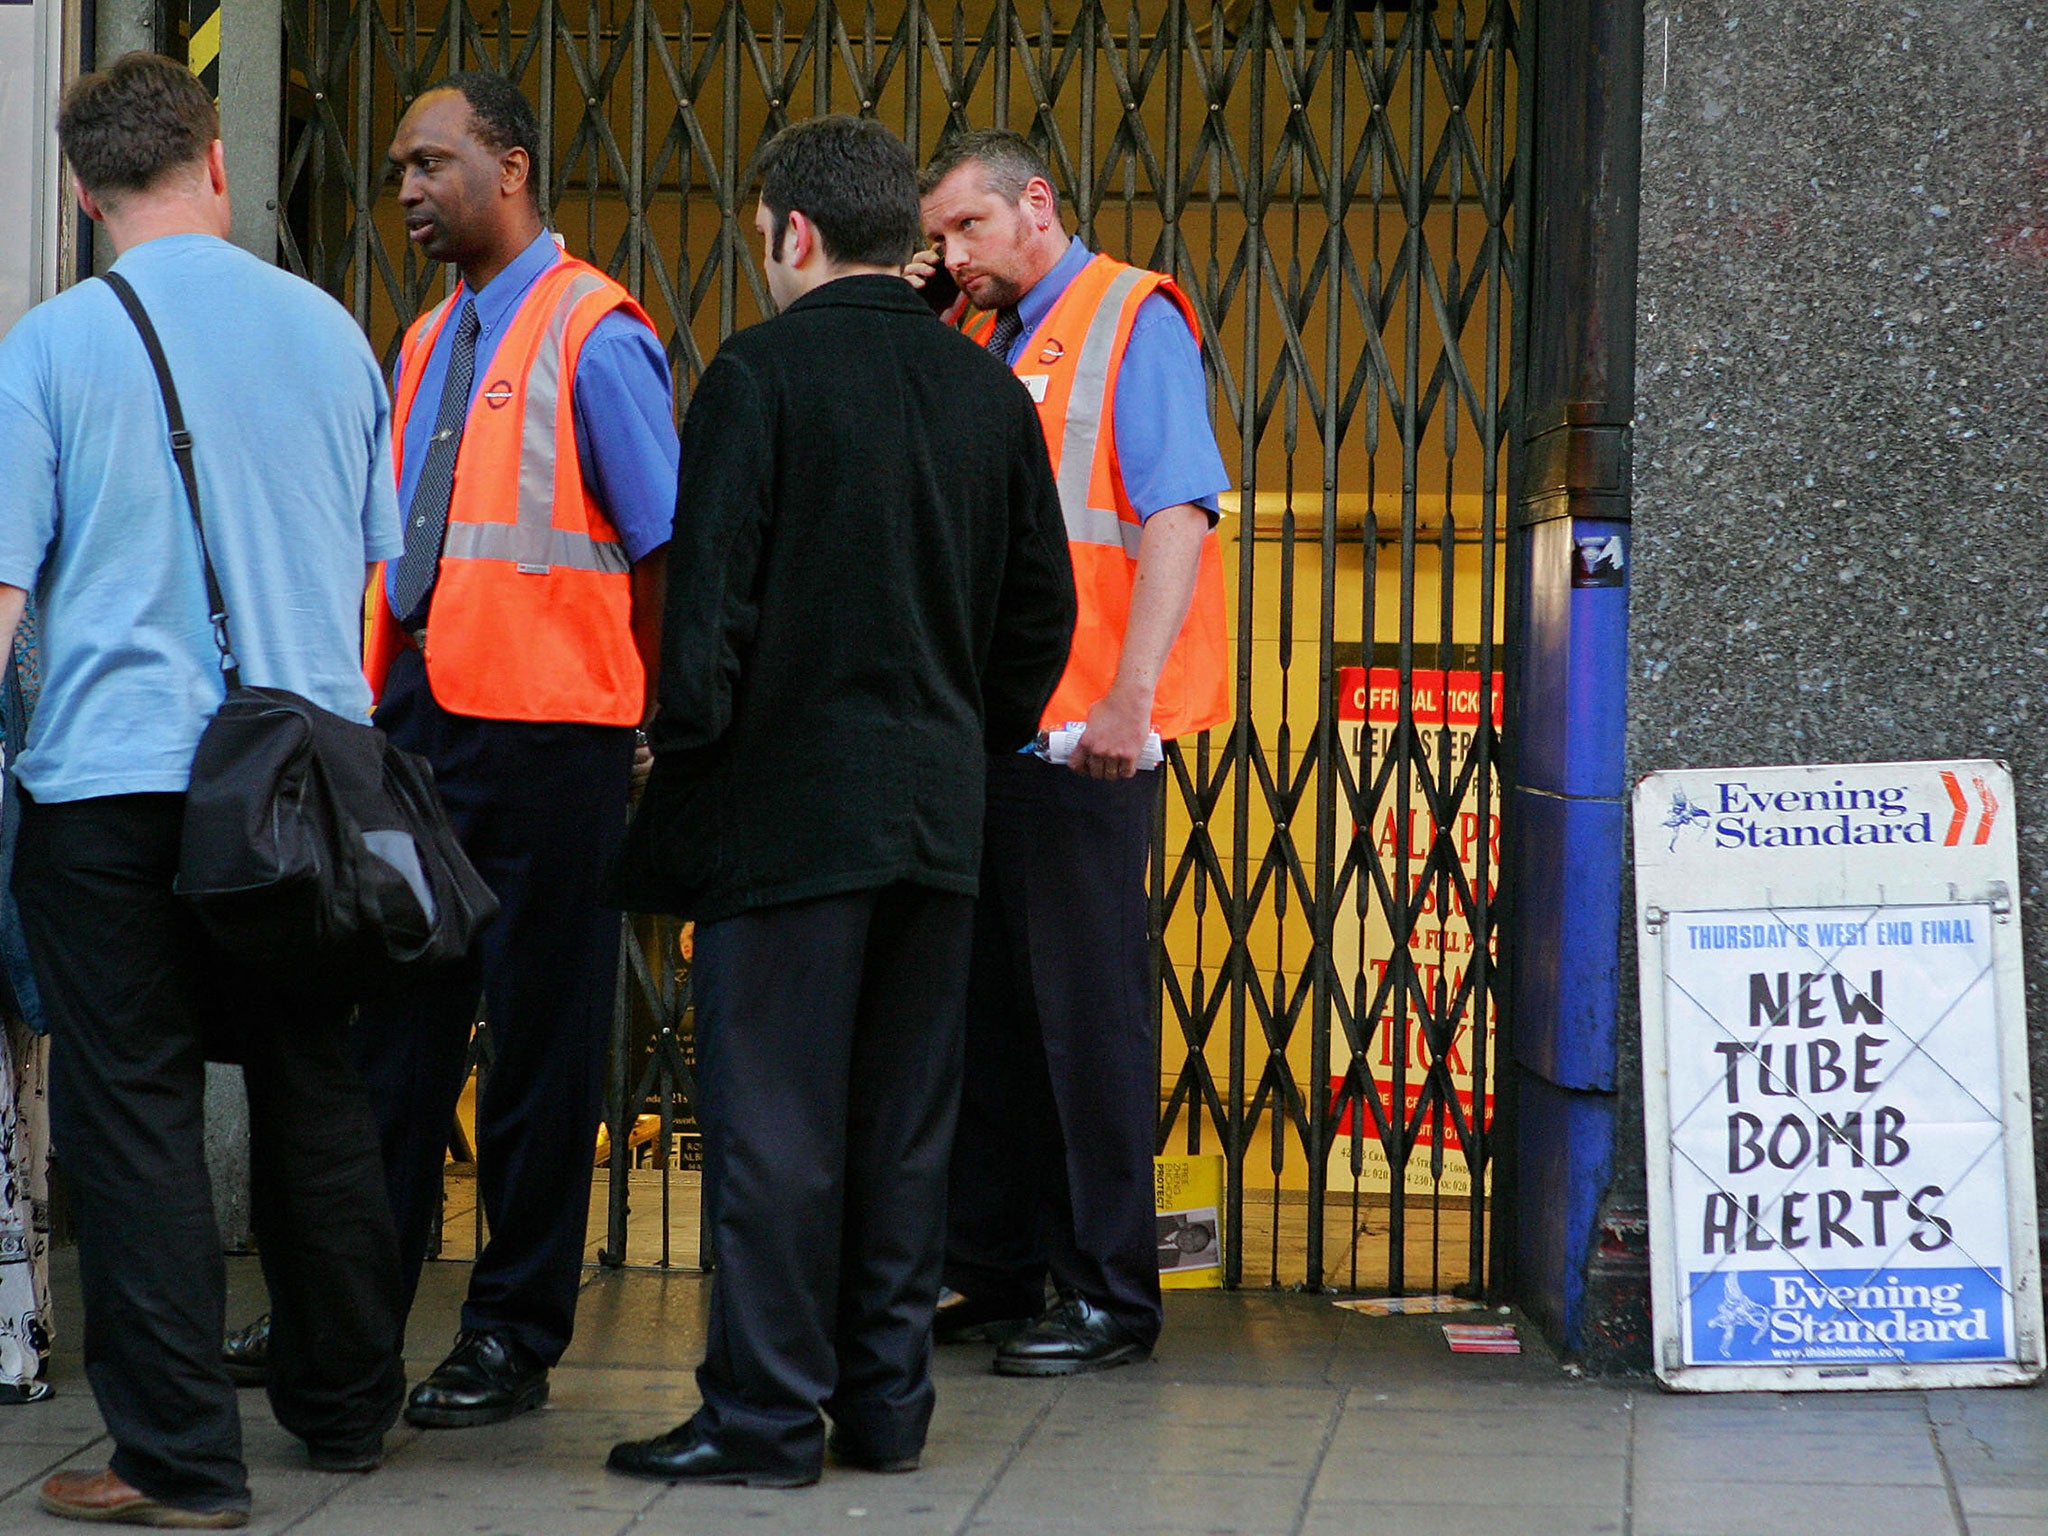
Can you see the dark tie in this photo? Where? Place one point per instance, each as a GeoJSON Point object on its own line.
{"type": "Point", "coordinates": [427, 519]}
{"type": "Point", "coordinates": [1004, 336]}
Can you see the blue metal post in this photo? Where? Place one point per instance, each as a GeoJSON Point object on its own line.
{"type": "Point", "coordinates": [1567, 811]}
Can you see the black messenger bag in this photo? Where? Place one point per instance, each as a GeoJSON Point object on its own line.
{"type": "Point", "coordinates": [313, 848]}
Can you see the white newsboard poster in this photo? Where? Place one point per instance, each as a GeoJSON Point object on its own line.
{"type": "Point", "coordinates": [1836, 1086]}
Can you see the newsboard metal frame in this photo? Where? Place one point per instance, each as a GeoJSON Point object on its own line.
{"type": "Point", "coordinates": [1850, 882]}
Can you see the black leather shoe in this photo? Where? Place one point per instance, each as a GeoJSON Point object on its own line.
{"type": "Point", "coordinates": [1073, 1337]}
{"type": "Point", "coordinates": [246, 1354]}
{"type": "Point", "coordinates": [966, 1320]}
{"type": "Point", "coordinates": [487, 1377]}
{"type": "Point", "coordinates": [684, 1456]}
{"type": "Point", "coordinates": [325, 1457]}
{"type": "Point", "coordinates": [849, 1452]}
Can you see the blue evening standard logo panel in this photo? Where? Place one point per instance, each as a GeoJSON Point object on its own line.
{"type": "Point", "coordinates": [1905, 1316]}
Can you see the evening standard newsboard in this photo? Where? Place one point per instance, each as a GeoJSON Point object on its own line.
{"type": "Point", "coordinates": [1835, 1078]}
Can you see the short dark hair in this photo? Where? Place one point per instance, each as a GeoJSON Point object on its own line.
{"type": "Point", "coordinates": [853, 179]}
{"type": "Point", "coordinates": [500, 116]}
{"type": "Point", "coordinates": [124, 126]}
{"type": "Point", "coordinates": [1008, 161]}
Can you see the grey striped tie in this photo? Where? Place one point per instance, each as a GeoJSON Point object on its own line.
{"type": "Point", "coordinates": [1004, 336]}
{"type": "Point", "coordinates": [427, 519]}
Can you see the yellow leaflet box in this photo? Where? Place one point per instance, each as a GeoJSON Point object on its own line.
{"type": "Point", "coordinates": [1188, 1196]}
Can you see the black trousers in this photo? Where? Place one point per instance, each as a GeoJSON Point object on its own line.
{"type": "Point", "coordinates": [1052, 1165]}
{"type": "Point", "coordinates": [828, 1041]}
{"type": "Point", "coordinates": [540, 809]}
{"type": "Point", "coordinates": [130, 984]}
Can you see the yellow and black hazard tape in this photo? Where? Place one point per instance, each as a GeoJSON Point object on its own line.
{"type": "Point", "coordinates": [202, 44]}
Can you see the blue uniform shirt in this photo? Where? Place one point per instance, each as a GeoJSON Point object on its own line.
{"type": "Point", "coordinates": [622, 386]}
{"type": "Point", "coordinates": [291, 433]}
{"type": "Point", "coordinates": [1165, 445]}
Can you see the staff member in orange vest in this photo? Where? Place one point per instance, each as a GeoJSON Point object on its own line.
{"type": "Point", "coordinates": [511, 645]}
{"type": "Point", "coordinates": [1052, 1164]}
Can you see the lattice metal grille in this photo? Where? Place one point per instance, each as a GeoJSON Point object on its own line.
{"type": "Point", "coordinates": [1332, 189]}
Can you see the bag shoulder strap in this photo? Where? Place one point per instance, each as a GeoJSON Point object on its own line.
{"type": "Point", "coordinates": [181, 450]}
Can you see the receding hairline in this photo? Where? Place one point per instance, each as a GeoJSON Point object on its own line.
{"type": "Point", "coordinates": [1007, 167]}
{"type": "Point", "coordinates": [474, 118]}
{"type": "Point", "coordinates": [990, 175]}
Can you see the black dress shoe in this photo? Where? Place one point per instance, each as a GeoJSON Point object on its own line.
{"type": "Point", "coordinates": [1073, 1337]}
{"type": "Point", "coordinates": [849, 1452]}
{"type": "Point", "coordinates": [684, 1456]}
{"type": "Point", "coordinates": [325, 1457]}
{"type": "Point", "coordinates": [969, 1320]}
{"type": "Point", "coordinates": [246, 1354]}
{"type": "Point", "coordinates": [486, 1377]}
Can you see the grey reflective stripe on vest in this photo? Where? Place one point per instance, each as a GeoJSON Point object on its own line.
{"type": "Point", "coordinates": [428, 333]}
{"type": "Point", "coordinates": [1086, 524]}
{"type": "Point", "coordinates": [521, 545]}
{"type": "Point", "coordinates": [430, 323]}
{"type": "Point", "coordinates": [534, 543]}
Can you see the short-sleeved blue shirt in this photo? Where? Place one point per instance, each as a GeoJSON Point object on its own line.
{"type": "Point", "coordinates": [1165, 444]}
{"type": "Point", "coordinates": [291, 434]}
{"type": "Point", "coordinates": [623, 403]}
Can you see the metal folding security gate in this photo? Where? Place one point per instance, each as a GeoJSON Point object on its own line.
{"type": "Point", "coordinates": [1332, 188]}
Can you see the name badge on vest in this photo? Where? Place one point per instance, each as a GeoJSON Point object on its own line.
{"type": "Point", "coordinates": [1037, 383]}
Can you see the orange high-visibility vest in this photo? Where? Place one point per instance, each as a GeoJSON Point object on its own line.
{"type": "Point", "coordinates": [531, 616]}
{"type": "Point", "coordinates": [1071, 366]}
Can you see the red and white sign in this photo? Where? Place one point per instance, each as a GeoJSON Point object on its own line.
{"type": "Point", "coordinates": [1440, 698]}
{"type": "Point", "coordinates": [1447, 709]}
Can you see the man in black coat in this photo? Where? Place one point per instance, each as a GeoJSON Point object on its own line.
{"type": "Point", "coordinates": [869, 591]}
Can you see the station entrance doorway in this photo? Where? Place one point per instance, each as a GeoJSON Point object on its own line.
{"type": "Point", "coordinates": [1331, 182]}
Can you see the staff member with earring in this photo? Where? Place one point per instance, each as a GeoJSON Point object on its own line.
{"type": "Point", "coordinates": [1052, 1164]}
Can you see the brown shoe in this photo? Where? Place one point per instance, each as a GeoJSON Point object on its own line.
{"type": "Point", "coordinates": [104, 1497]}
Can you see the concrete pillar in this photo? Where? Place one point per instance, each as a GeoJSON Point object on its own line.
{"type": "Point", "coordinates": [1841, 440]}
{"type": "Point", "coordinates": [252, 116]}
{"type": "Point", "coordinates": [251, 125]}
{"type": "Point", "coordinates": [119, 26]}
{"type": "Point", "coordinates": [251, 105]}
{"type": "Point", "coordinates": [227, 1153]}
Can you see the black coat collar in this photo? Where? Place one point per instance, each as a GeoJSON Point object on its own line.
{"type": "Point", "coordinates": [863, 290]}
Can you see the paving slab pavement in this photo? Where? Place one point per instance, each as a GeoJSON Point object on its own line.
{"type": "Point", "coordinates": [1264, 1415]}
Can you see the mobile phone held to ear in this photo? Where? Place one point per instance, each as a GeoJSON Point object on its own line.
{"type": "Point", "coordinates": [940, 290]}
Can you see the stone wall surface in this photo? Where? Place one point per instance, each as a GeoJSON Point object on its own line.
{"type": "Point", "coordinates": [1841, 450]}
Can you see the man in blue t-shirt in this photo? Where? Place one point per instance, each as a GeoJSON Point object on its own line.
{"type": "Point", "coordinates": [291, 436]}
